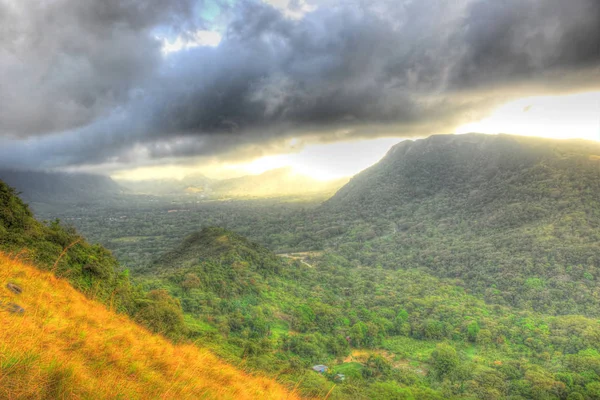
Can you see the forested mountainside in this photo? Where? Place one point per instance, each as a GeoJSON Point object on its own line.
{"type": "Point", "coordinates": [515, 219]}
{"type": "Point", "coordinates": [391, 334]}
{"type": "Point", "coordinates": [60, 187]}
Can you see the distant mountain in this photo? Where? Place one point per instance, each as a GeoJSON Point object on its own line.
{"type": "Point", "coordinates": [61, 187]}
{"type": "Point", "coordinates": [474, 169]}
{"type": "Point", "coordinates": [192, 184]}
{"type": "Point", "coordinates": [279, 182]}
{"type": "Point", "coordinates": [516, 218]}
{"type": "Point", "coordinates": [275, 183]}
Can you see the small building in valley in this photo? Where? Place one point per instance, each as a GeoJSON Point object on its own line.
{"type": "Point", "coordinates": [320, 368]}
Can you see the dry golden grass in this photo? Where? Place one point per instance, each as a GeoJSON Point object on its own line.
{"type": "Point", "coordinates": [66, 346]}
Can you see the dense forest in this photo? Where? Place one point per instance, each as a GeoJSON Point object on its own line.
{"type": "Point", "coordinates": [517, 219]}
{"type": "Point", "coordinates": [391, 333]}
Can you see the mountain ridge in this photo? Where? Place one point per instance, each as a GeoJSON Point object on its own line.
{"type": "Point", "coordinates": [493, 210]}
{"type": "Point", "coordinates": [488, 153]}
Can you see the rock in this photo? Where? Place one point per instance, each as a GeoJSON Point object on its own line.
{"type": "Point", "coordinates": [14, 288]}
{"type": "Point", "coordinates": [15, 308]}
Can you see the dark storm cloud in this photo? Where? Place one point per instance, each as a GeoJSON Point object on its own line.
{"type": "Point", "coordinates": [64, 63]}
{"type": "Point", "coordinates": [408, 67]}
{"type": "Point", "coordinates": [515, 39]}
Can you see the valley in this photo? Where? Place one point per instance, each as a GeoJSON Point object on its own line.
{"type": "Point", "coordinates": [299, 199]}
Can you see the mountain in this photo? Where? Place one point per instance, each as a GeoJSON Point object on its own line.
{"type": "Point", "coordinates": [516, 219]}
{"type": "Point", "coordinates": [56, 343]}
{"type": "Point", "coordinates": [275, 183]}
{"type": "Point", "coordinates": [61, 187]}
{"type": "Point", "coordinates": [474, 169]}
{"type": "Point", "coordinates": [191, 184]}
{"type": "Point", "coordinates": [279, 182]}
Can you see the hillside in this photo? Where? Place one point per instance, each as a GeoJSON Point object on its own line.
{"type": "Point", "coordinates": [52, 246]}
{"type": "Point", "coordinates": [213, 244]}
{"type": "Point", "coordinates": [66, 346]}
{"type": "Point", "coordinates": [480, 172]}
{"type": "Point", "coordinates": [394, 334]}
{"type": "Point", "coordinates": [516, 219]}
{"type": "Point", "coordinates": [62, 188]}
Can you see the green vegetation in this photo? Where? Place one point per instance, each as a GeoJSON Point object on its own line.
{"type": "Point", "coordinates": [391, 333]}
{"type": "Point", "coordinates": [516, 219]}
{"type": "Point", "coordinates": [66, 346]}
{"type": "Point", "coordinates": [89, 268]}
{"type": "Point", "coordinates": [458, 267]}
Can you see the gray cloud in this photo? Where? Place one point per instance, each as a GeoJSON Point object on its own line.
{"type": "Point", "coordinates": [64, 63]}
{"type": "Point", "coordinates": [93, 86]}
{"type": "Point", "coordinates": [512, 39]}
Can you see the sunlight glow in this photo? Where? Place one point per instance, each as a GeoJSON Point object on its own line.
{"type": "Point", "coordinates": [559, 117]}
{"type": "Point", "coordinates": [325, 161]}
{"type": "Point", "coordinates": [322, 161]}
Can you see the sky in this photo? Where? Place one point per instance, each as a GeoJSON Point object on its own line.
{"type": "Point", "coordinates": [139, 89]}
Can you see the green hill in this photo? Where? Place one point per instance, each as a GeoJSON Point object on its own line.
{"type": "Point", "coordinates": [516, 219]}
{"type": "Point", "coordinates": [90, 268]}
{"type": "Point", "coordinates": [213, 244]}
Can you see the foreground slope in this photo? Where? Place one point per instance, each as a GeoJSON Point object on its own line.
{"type": "Point", "coordinates": [67, 346]}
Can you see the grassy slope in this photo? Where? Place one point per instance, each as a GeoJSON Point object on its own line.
{"type": "Point", "coordinates": [67, 346]}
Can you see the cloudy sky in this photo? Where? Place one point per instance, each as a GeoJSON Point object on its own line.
{"type": "Point", "coordinates": [149, 87]}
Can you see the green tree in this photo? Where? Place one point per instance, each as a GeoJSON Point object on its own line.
{"type": "Point", "coordinates": [162, 314]}
{"type": "Point", "coordinates": [444, 360]}
{"type": "Point", "coordinates": [472, 331]}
